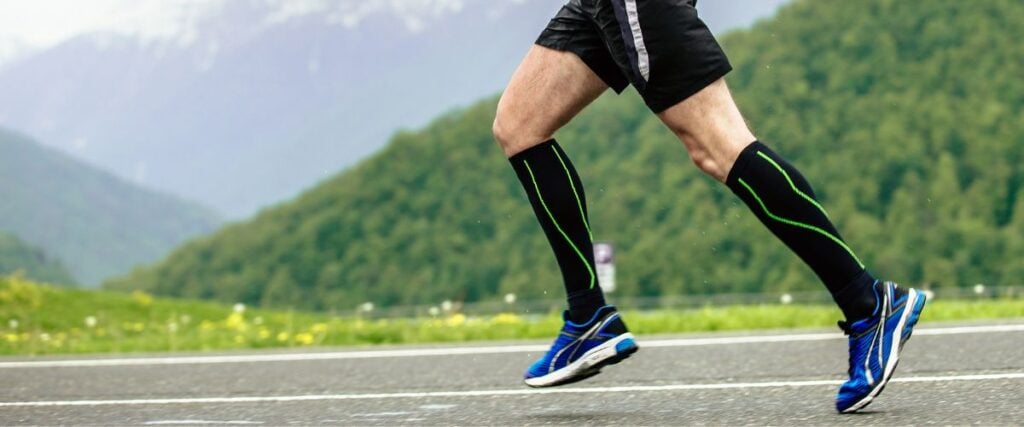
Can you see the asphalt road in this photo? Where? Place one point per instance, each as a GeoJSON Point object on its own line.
{"type": "Point", "coordinates": [949, 374]}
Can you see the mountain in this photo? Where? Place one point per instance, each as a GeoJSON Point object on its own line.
{"type": "Point", "coordinates": [97, 224]}
{"type": "Point", "coordinates": [906, 116]}
{"type": "Point", "coordinates": [16, 256]}
{"type": "Point", "coordinates": [242, 104]}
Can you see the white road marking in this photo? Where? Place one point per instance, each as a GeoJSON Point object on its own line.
{"type": "Point", "coordinates": [436, 407]}
{"type": "Point", "coordinates": [496, 393]}
{"type": "Point", "coordinates": [198, 422]}
{"type": "Point", "coordinates": [454, 351]}
{"type": "Point", "coordinates": [383, 414]}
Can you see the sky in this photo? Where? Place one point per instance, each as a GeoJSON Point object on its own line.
{"type": "Point", "coordinates": [29, 25]}
{"type": "Point", "coordinates": [43, 23]}
{"type": "Point", "coordinates": [32, 25]}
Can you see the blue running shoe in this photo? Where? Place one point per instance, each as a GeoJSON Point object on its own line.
{"type": "Point", "coordinates": [581, 350]}
{"type": "Point", "coordinates": [875, 344]}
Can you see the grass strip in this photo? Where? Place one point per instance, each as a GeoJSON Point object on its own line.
{"type": "Point", "coordinates": [39, 319]}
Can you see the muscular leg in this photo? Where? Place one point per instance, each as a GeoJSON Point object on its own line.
{"type": "Point", "coordinates": [719, 142]}
{"type": "Point", "coordinates": [547, 90]}
{"type": "Point", "coordinates": [711, 127]}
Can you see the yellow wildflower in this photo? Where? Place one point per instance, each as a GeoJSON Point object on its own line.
{"type": "Point", "coordinates": [141, 298]}
{"type": "Point", "coordinates": [235, 320]}
{"type": "Point", "coordinates": [507, 319]}
{"type": "Point", "coordinates": [455, 319]}
{"type": "Point", "coordinates": [304, 338]}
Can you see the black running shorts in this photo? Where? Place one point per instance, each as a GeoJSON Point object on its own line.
{"type": "Point", "coordinates": [660, 46]}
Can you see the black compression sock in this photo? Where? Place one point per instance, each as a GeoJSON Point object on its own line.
{"type": "Point", "coordinates": [858, 296]}
{"type": "Point", "coordinates": [583, 304]}
{"type": "Point", "coordinates": [785, 203]}
{"type": "Point", "coordinates": [556, 194]}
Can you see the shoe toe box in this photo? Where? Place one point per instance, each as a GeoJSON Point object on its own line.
{"type": "Point", "coordinates": [537, 369]}
{"type": "Point", "coordinates": [851, 392]}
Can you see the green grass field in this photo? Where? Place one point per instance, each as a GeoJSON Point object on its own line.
{"type": "Point", "coordinates": [40, 319]}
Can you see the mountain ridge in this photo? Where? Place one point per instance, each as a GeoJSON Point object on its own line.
{"type": "Point", "coordinates": [95, 223]}
{"type": "Point", "coordinates": [16, 257]}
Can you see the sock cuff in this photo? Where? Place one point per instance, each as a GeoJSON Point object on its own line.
{"type": "Point", "coordinates": [584, 302]}
{"type": "Point", "coordinates": [856, 284]}
{"type": "Point", "coordinates": [531, 152]}
{"type": "Point", "coordinates": [732, 181]}
{"type": "Point", "coordinates": [858, 299]}
{"type": "Point", "coordinates": [587, 293]}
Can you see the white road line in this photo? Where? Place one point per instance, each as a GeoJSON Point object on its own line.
{"type": "Point", "coordinates": [454, 351]}
{"type": "Point", "coordinates": [755, 339]}
{"type": "Point", "coordinates": [198, 422]}
{"type": "Point", "coordinates": [496, 393]}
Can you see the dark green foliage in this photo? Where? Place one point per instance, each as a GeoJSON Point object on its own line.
{"type": "Point", "coordinates": [16, 256]}
{"type": "Point", "coordinates": [906, 116]}
{"type": "Point", "coordinates": [97, 224]}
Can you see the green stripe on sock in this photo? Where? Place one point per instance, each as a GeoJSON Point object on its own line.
{"type": "Point", "coordinates": [792, 185]}
{"type": "Point", "coordinates": [574, 192]}
{"type": "Point", "coordinates": [799, 224]}
{"type": "Point", "coordinates": [557, 227]}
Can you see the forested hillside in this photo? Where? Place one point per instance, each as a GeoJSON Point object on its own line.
{"type": "Point", "coordinates": [16, 256]}
{"type": "Point", "coordinates": [98, 225]}
{"type": "Point", "coordinates": [907, 116]}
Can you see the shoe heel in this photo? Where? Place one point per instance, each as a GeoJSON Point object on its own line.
{"type": "Point", "coordinates": [623, 350]}
{"type": "Point", "coordinates": [626, 345]}
{"type": "Point", "coordinates": [915, 315]}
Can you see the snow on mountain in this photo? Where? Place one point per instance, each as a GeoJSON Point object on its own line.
{"type": "Point", "coordinates": [10, 49]}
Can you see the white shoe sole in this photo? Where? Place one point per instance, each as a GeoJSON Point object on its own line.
{"type": "Point", "coordinates": [592, 360]}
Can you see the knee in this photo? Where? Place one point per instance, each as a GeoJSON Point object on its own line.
{"type": "Point", "coordinates": [713, 157]}
{"type": "Point", "coordinates": [514, 133]}
{"type": "Point", "coordinates": [707, 162]}
{"type": "Point", "coordinates": [503, 133]}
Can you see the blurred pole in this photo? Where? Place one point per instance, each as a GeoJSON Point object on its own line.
{"type": "Point", "coordinates": [604, 257]}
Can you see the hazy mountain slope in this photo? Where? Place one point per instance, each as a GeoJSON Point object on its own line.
{"type": "Point", "coordinates": [906, 116]}
{"type": "Point", "coordinates": [252, 105]}
{"type": "Point", "coordinates": [97, 224]}
{"type": "Point", "coordinates": [16, 256]}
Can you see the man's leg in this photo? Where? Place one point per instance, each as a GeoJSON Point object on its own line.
{"type": "Point", "coordinates": [880, 316]}
{"type": "Point", "coordinates": [719, 142]}
{"type": "Point", "coordinates": [547, 90]}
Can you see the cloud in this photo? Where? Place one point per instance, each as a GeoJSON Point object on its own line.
{"type": "Point", "coordinates": [38, 24]}
{"type": "Point", "coordinates": [43, 23]}
{"type": "Point", "coordinates": [414, 14]}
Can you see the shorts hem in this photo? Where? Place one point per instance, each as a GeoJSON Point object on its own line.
{"type": "Point", "coordinates": [616, 84]}
{"type": "Point", "coordinates": [663, 103]}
